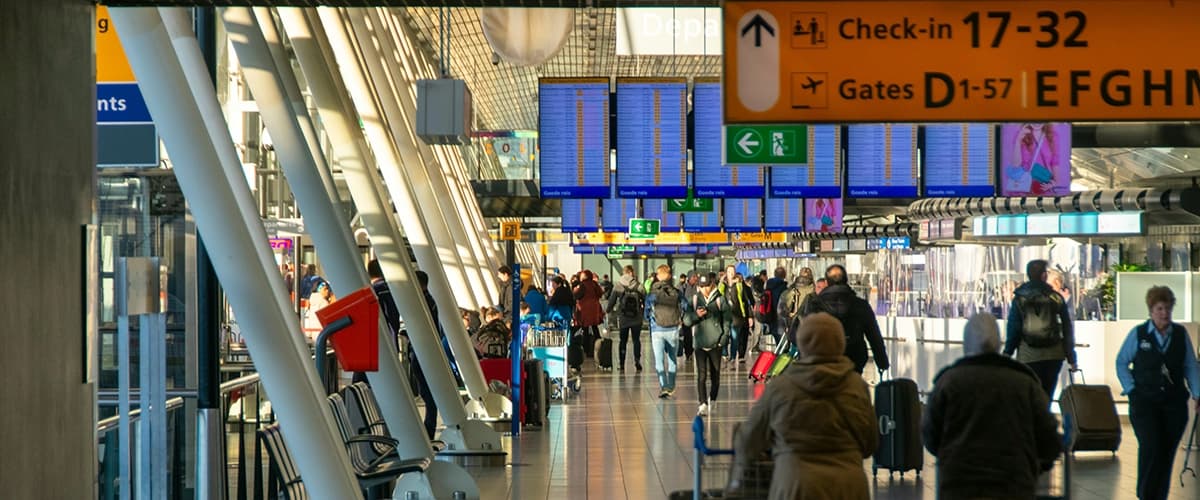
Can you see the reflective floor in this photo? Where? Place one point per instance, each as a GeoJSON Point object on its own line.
{"type": "Point", "coordinates": [616, 439]}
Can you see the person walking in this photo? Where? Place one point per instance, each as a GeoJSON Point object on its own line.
{"type": "Point", "coordinates": [793, 298]}
{"type": "Point", "coordinates": [1158, 370]}
{"type": "Point", "coordinates": [858, 320]}
{"type": "Point", "coordinates": [687, 288]}
{"type": "Point", "coordinates": [740, 318]}
{"type": "Point", "coordinates": [1039, 327]}
{"type": "Point", "coordinates": [627, 303]}
{"type": "Point", "coordinates": [775, 288]}
{"type": "Point", "coordinates": [505, 303]}
{"type": "Point", "coordinates": [589, 314]}
{"type": "Point", "coordinates": [664, 313]}
{"type": "Point", "coordinates": [988, 421]}
{"type": "Point", "coordinates": [710, 337]}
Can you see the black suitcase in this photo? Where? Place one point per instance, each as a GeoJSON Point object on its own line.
{"type": "Point", "coordinates": [535, 394]}
{"type": "Point", "coordinates": [604, 354]}
{"type": "Point", "coordinates": [1095, 425]}
{"type": "Point", "coordinates": [898, 413]}
{"type": "Point", "coordinates": [575, 352]}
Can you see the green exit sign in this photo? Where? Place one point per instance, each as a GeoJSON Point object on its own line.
{"type": "Point", "coordinates": [690, 204]}
{"type": "Point", "coordinates": [643, 228]}
{"type": "Point", "coordinates": [766, 144]}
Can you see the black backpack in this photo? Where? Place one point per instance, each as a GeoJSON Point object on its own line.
{"type": "Point", "coordinates": [631, 306]}
{"type": "Point", "coordinates": [1041, 325]}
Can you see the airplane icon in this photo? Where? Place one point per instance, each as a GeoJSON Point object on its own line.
{"type": "Point", "coordinates": [812, 84]}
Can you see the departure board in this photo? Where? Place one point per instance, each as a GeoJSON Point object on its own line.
{"type": "Point", "coordinates": [616, 212]}
{"type": "Point", "coordinates": [881, 160]}
{"type": "Point", "coordinates": [657, 209]}
{"type": "Point", "coordinates": [573, 137]}
{"type": "Point", "coordinates": [652, 137]}
{"type": "Point", "coordinates": [703, 222]}
{"type": "Point", "coordinates": [960, 159]}
{"type": "Point", "coordinates": [710, 177]}
{"type": "Point", "coordinates": [743, 215]}
{"type": "Point", "coordinates": [784, 215]}
{"type": "Point", "coordinates": [822, 176]}
{"type": "Point", "coordinates": [580, 216]}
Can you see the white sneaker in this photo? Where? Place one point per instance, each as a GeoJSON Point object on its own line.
{"type": "Point", "coordinates": [703, 410]}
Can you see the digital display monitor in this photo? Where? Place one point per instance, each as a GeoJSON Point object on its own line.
{"type": "Point", "coordinates": [711, 178]}
{"type": "Point", "coordinates": [841, 245]}
{"type": "Point", "coordinates": [826, 245]}
{"type": "Point", "coordinates": [616, 212]}
{"type": "Point", "coordinates": [743, 215]}
{"type": "Point", "coordinates": [960, 160]}
{"type": "Point", "coordinates": [580, 216]}
{"type": "Point", "coordinates": [1035, 159]}
{"type": "Point", "coordinates": [652, 137]}
{"type": "Point", "coordinates": [573, 137]}
{"type": "Point", "coordinates": [784, 215]}
{"type": "Point", "coordinates": [823, 215]}
{"type": "Point", "coordinates": [688, 249]}
{"type": "Point", "coordinates": [822, 176]}
{"type": "Point", "coordinates": [881, 160]}
{"type": "Point", "coordinates": [1079, 223]}
{"type": "Point", "coordinates": [1120, 223]}
{"type": "Point", "coordinates": [1041, 224]}
{"type": "Point", "coordinates": [858, 245]}
{"type": "Point", "coordinates": [703, 222]}
{"type": "Point", "coordinates": [1010, 225]}
{"type": "Point", "coordinates": [657, 209]}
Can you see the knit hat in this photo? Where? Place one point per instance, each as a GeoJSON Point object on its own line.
{"type": "Point", "coordinates": [820, 335]}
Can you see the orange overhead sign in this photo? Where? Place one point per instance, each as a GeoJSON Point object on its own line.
{"type": "Point", "coordinates": [111, 64]}
{"type": "Point", "coordinates": [903, 61]}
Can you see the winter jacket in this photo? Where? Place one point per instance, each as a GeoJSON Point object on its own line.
{"type": "Point", "coordinates": [711, 332]}
{"type": "Point", "coordinates": [741, 304]}
{"type": "Point", "coordinates": [988, 424]}
{"type": "Point", "coordinates": [536, 301]}
{"type": "Point", "coordinates": [777, 287]}
{"type": "Point", "coordinates": [561, 307]}
{"type": "Point", "coordinates": [626, 286]}
{"type": "Point", "coordinates": [505, 303]}
{"type": "Point", "coordinates": [587, 304]}
{"type": "Point", "coordinates": [858, 320]}
{"type": "Point", "coordinates": [817, 420]}
{"type": "Point", "coordinates": [792, 299]}
{"type": "Point", "coordinates": [1014, 337]}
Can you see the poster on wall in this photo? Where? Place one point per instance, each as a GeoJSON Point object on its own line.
{"type": "Point", "coordinates": [823, 215]}
{"type": "Point", "coordinates": [1035, 159]}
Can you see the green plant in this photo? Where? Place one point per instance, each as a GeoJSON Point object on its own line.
{"type": "Point", "coordinates": [1108, 289]}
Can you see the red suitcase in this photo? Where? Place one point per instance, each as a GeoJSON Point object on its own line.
{"type": "Point", "coordinates": [762, 365]}
{"type": "Point", "coordinates": [501, 369]}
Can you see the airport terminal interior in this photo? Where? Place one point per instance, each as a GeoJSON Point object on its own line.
{"type": "Point", "coordinates": [643, 249]}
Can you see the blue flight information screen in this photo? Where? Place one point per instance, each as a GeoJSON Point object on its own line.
{"type": "Point", "coordinates": [652, 137]}
{"type": "Point", "coordinates": [710, 177]}
{"type": "Point", "coordinates": [580, 216]}
{"type": "Point", "coordinates": [657, 209]}
{"type": "Point", "coordinates": [616, 213]}
{"type": "Point", "coordinates": [573, 137]}
{"type": "Point", "coordinates": [960, 159]}
{"type": "Point", "coordinates": [822, 176]}
{"type": "Point", "coordinates": [784, 215]}
{"type": "Point", "coordinates": [881, 159]}
{"type": "Point", "coordinates": [703, 222]}
{"type": "Point", "coordinates": [743, 215]}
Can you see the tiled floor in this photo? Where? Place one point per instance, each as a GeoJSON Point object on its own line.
{"type": "Point", "coordinates": [616, 439]}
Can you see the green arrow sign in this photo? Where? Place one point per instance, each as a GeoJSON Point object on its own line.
{"type": "Point", "coordinates": [766, 144]}
{"type": "Point", "coordinates": [643, 228]}
{"type": "Point", "coordinates": [615, 252]}
{"type": "Point", "coordinates": [690, 204]}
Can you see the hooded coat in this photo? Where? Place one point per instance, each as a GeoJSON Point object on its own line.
{"type": "Point", "coordinates": [817, 420]}
{"type": "Point", "coordinates": [626, 285]}
{"type": "Point", "coordinates": [587, 303]}
{"type": "Point", "coordinates": [861, 327]}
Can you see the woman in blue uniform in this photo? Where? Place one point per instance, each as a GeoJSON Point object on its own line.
{"type": "Point", "coordinates": [1156, 360]}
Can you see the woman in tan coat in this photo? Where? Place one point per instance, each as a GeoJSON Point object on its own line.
{"type": "Point", "coordinates": [816, 419]}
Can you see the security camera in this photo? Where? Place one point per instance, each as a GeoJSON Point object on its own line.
{"type": "Point", "coordinates": [495, 59]}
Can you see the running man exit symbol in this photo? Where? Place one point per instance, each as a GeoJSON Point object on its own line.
{"type": "Point", "coordinates": [783, 143]}
{"type": "Point", "coordinates": [808, 30]}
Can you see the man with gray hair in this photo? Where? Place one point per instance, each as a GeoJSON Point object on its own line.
{"type": "Point", "coordinates": [988, 421]}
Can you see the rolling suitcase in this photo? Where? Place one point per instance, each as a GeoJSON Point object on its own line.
{"type": "Point", "coordinates": [762, 365]}
{"type": "Point", "coordinates": [783, 360]}
{"type": "Point", "coordinates": [535, 393]}
{"type": "Point", "coordinates": [898, 413]}
{"type": "Point", "coordinates": [1094, 421]}
{"type": "Point", "coordinates": [604, 354]}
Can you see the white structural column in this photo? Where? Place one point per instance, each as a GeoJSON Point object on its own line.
{"type": "Point", "coordinates": [312, 182]}
{"type": "Point", "coordinates": [223, 209]}
{"type": "Point", "coordinates": [411, 189]}
{"type": "Point", "coordinates": [366, 188]}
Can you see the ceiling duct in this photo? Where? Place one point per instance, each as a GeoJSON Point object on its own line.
{"type": "Point", "coordinates": [1151, 200]}
{"type": "Point", "coordinates": [868, 231]}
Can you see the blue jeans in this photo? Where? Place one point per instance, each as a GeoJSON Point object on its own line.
{"type": "Point", "coordinates": [665, 342]}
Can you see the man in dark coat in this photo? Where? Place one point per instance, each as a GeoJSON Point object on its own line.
{"type": "Point", "coordinates": [988, 421]}
{"type": "Point", "coordinates": [858, 320]}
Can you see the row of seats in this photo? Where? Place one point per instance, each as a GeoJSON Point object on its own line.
{"type": "Point", "coordinates": [371, 448]}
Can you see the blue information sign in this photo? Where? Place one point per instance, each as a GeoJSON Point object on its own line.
{"type": "Point", "coordinates": [580, 216]}
{"type": "Point", "coordinates": [652, 138]}
{"type": "Point", "coordinates": [882, 160]}
{"type": "Point", "coordinates": [784, 215]}
{"type": "Point", "coordinates": [121, 103]}
{"type": "Point", "coordinates": [703, 222]}
{"type": "Point", "coordinates": [657, 209]}
{"type": "Point", "coordinates": [960, 160]}
{"type": "Point", "coordinates": [616, 212]}
{"type": "Point", "coordinates": [711, 178]}
{"type": "Point", "coordinates": [573, 138]}
{"type": "Point", "coordinates": [822, 176]}
{"type": "Point", "coordinates": [743, 215]}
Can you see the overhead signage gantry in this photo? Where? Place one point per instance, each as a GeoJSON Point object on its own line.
{"type": "Point", "coordinates": [936, 61]}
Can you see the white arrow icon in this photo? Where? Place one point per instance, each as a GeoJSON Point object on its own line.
{"type": "Point", "coordinates": [748, 140]}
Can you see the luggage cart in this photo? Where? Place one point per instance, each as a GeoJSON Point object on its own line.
{"type": "Point", "coordinates": [548, 342]}
{"type": "Point", "coordinates": [711, 469]}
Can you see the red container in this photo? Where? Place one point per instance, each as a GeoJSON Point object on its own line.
{"type": "Point", "coordinates": [356, 346]}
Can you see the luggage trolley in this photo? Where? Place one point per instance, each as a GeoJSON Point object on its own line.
{"type": "Point", "coordinates": [548, 342]}
{"type": "Point", "coordinates": [712, 468]}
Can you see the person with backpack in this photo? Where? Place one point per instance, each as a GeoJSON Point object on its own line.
{"type": "Point", "coordinates": [626, 300]}
{"type": "Point", "coordinates": [710, 334]}
{"type": "Point", "coordinates": [1039, 327]}
{"type": "Point", "coordinates": [740, 318]}
{"type": "Point", "coordinates": [492, 340]}
{"type": "Point", "coordinates": [664, 312]}
{"type": "Point", "coordinates": [857, 317]}
{"type": "Point", "coordinates": [774, 291]}
{"type": "Point", "coordinates": [687, 287]}
{"type": "Point", "coordinates": [795, 295]}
